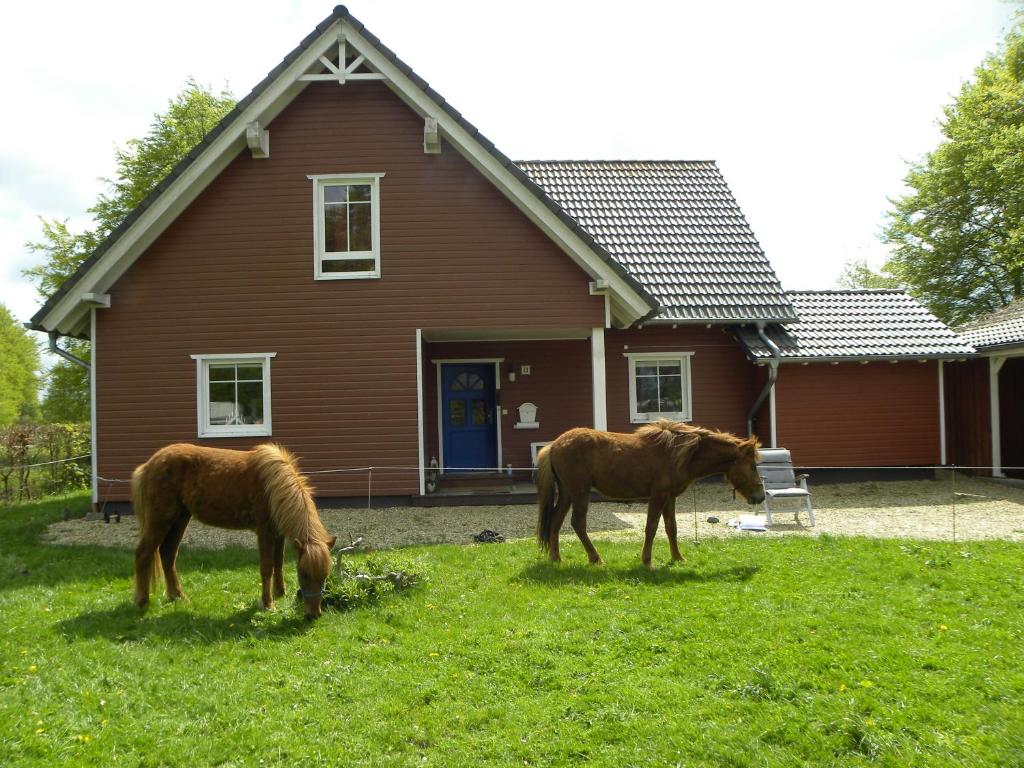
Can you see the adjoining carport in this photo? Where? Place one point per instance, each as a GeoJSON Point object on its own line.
{"type": "Point", "coordinates": [999, 338]}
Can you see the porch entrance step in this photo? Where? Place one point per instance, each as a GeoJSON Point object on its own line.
{"type": "Point", "coordinates": [475, 482]}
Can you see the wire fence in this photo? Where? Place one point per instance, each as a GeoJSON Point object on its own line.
{"type": "Point", "coordinates": [938, 502]}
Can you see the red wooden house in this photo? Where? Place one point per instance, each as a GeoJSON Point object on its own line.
{"type": "Point", "coordinates": [380, 286]}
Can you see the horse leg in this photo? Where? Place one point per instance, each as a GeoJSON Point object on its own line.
{"type": "Point", "coordinates": [655, 505]}
{"type": "Point", "coordinates": [669, 515]}
{"type": "Point", "coordinates": [265, 541]}
{"type": "Point", "coordinates": [144, 554]}
{"type": "Point", "coordinates": [278, 565]}
{"type": "Point", "coordinates": [580, 503]}
{"type": "Point", "coordinates": [557, 518]}
{"type": "Point", "coordinates": [169, 554]}
{"type": "Point", "coordinates": [153, 532]}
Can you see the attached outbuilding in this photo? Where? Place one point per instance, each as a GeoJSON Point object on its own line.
{"type": "Point", "coordinates": [986, 395]}
{"type": "Point", "coordinates": [860, 379]}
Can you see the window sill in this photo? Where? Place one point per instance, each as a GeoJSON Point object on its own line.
{"type": "Point", "coordinates": [353, 276]}
{"type": "Point", "coordinates": [686, 419]}
{"type": "Point", "coordinates": [260, 431]}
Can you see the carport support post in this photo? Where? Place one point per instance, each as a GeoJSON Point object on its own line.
{"type": "Point", "coordinates": [994, 364]}
{"type": "Point", "coordinates": [598, 372]}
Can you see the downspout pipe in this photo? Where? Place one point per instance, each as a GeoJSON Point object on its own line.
{"type": "Point", "coordinates": [64, 353]}
{"type": "Point", "coordinates": [773, 374]}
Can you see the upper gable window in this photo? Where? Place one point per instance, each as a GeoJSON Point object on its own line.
{"type": "Point", "coordinates": [346, 226]}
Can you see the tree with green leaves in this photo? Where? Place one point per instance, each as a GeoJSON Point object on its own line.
{"type": "Point", "coordinates": [19, 363]}
{"type": "Point", "coordinates": [857, 274]}
{"type": "Point", "coordinates": [958, 235]}
{"type": "Point", "coordinates": [141, 165]}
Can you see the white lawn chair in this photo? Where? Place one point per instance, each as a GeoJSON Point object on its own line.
{"type": "Point", "coordinates": [776, 471]}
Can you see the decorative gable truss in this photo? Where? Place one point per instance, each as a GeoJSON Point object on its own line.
{"type": "Point", "coordinates": [341, 70]}
{"type": "Point", "coordinates": [339, 50]}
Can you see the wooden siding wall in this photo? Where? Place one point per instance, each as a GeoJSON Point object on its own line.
{"type": "Point", "coordinates": [234, 274]}
{"type": "Point", "coordinates": [968, 420]}
{"type": "Point", "coordinates": [850, 414]}
{"type": "Point", "coordinates": [1011, 415]}
{"type": "Point", "coordinates": [723, 380]}
{"type": "Point", "coordinates": [559, 384]}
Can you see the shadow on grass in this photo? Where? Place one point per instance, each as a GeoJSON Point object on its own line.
{"type": "Point", "coordinates": [572, 573]}
{"type": "Point", "coordinates": [126, 624]}
{"type": "Point", "coordinates": [47, 565]}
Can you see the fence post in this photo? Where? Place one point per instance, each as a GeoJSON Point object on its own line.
{"type": "Point", "coordinates": [693, 495]}
{"type": "Point", "coordinates": [369, 487]}
{"type": "Point", "coordinates": [953, 473]}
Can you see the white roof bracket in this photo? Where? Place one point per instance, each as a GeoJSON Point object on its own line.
{"type": "Point", "coordinates": [258, 139]}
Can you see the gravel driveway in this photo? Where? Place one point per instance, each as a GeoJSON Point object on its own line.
{"type": "Point", "coordinates": [919, 509]}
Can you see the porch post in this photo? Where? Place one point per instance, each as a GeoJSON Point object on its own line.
{"type": "Point", "coordinates": [942, 414]}
{"type": "Point", "coordinates": [771, 406]}
{"type": "Point", "coordinates": [994, 364]}
{"type": "Point", "coordinates": [597, 369]}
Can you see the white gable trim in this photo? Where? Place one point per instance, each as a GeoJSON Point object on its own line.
{"type": "Point", "coordinates": [70, 315]}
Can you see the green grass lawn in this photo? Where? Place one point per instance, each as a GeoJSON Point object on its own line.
{"type": "Point", "coordinates": [828, 651]}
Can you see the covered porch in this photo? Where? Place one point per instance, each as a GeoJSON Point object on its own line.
{"type": "Point", "coordinates": [488, 400]}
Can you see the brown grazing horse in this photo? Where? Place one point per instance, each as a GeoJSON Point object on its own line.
{"type": "Point", "coordinates": [656, 462]}
{"type": "Point", "coordinates": [259, 490]}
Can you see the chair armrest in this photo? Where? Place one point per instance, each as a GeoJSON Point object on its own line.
{"type": "Point", "coordinates": [802, 479]}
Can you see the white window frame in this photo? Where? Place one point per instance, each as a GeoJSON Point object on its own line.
{"type": "Point", "coordinates": [319, 254]}
{"type": "Point", "coordinates": [683, 358]}
{"type": "Point", "coordinates": [205, 429]}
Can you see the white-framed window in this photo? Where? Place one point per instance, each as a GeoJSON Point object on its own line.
{"type": "Point", "coordinates": [659, 386]}
{"type": "Point", "coordinates": [346, 226]}
{"type": "Point", "coordinates": [233, 394]}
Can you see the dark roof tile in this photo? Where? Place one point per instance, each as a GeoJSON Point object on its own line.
{"type": "Point", "coordinates": [858, 324]}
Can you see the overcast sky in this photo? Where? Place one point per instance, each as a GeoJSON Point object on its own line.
{"type": "Point", "coordinates": [810, 108]}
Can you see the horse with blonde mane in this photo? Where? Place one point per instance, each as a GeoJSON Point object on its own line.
{"type": "Point", "coordinates": [260, 490]}
{"type": "Point", "coordinates": [657, 462]}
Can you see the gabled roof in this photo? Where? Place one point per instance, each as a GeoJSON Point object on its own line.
{"type": "Point", "coordinates": [1002, 328]}
{"type": "Point", "coordinates": [67, 310]}
{"type": "Point", "coordinates": [678, 229]}
{"type": "Point", "coordinates": [858, 325]}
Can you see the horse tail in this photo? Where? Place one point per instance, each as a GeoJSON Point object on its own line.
{"type": "Point", "coordinates": [141, 510]}
{"type": "Point", "coordinates": [547, 486]}
{"type": "Point", "coordinates": [289, 495]}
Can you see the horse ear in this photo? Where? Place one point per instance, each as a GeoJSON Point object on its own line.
{"type": "Point", "coordinates": [331, 542]}
{"type": "Point", "coordinates": [750, 447]}
{"type": "Point", "coordinates": [298, 545]}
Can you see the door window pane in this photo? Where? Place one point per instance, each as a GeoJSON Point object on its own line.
{"type": "Point", "coordinates": [479, 413]}
{"type": "Point", "coordinates": [456, 413]}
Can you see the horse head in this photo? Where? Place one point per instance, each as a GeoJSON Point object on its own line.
{"type": "Point", "coordinates": [314, 563]}
{"type": "Point", "coordinates": [742, 473]}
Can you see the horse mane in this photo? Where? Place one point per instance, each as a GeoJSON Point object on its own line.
{"type": "Point", "coordinates": [682, 440]}
{"type": "Point", "coordinates": [289, 494]}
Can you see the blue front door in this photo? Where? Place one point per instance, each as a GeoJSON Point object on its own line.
{"type": "Point", "coordinates": [467, 408]}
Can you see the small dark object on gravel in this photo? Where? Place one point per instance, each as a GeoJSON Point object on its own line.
{"type": "Point", "coordinates": [713, 519]}
{"type": "Point", "coordinates": [487, 536]}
